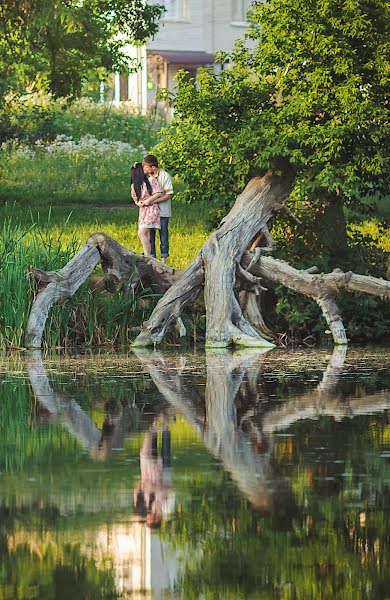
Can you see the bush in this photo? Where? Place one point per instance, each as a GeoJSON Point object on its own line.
{"type": "Point", "coordinates": [38, 116]}
{"type": "Point", "coordinates": [67, 171]}
{"type": "Point", "coordinates": [53, 151]}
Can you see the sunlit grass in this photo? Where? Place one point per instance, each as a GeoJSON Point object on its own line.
{"type": "Point", "coordinates": [47, 240]}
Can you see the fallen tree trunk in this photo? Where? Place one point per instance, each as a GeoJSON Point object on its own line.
{"type": "Point", "coordinates": [232, 277]}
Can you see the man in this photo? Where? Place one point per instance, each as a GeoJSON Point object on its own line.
{"type": "Point", "coordinates": [151, 168]}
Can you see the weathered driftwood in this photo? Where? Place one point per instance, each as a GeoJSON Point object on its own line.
{"type": "Point", "coordinates": [232, 277]}
{"type": "Point", "coordinates": [226, 266]}
{"type": "Point", "coordinates": [58, 286]}
{"type": "Point", "coordinates": [323, 288]}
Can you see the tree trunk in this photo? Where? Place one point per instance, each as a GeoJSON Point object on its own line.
{"type": "Point", "coordinates": [332, 231]}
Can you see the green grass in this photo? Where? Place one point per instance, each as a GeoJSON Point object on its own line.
{"type": "Point", "coordinates": [91, 173]}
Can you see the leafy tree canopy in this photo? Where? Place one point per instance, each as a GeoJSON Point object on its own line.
{"type": "Point", "coordinates": [60, 42]}
{"type": "Point", "coordinates": [304, 91]}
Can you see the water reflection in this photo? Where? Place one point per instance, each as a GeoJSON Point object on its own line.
{"type": "Point", "coordinates": [59, 407]}
{"type": "Point", "coordinates": [223, 476]}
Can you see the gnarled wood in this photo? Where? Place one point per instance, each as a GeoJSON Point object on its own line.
{"type": "Point", "coordinates": [120, 264]}
{"type": "Point", "coordinates": [61, 285]}
{"type": "Point", "coordinates": [233, 278]}
{"type": "Point", "coordinates": [323, 288]}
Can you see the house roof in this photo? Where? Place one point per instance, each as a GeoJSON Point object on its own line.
{"type": "Point", "coordinates": [185, 57]}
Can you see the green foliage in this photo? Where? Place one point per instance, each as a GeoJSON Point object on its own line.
{"type": "Point", "coordinates": [57, 44]}
{"type": "Point", "coordinates": [305, 92]}
{"type": "Point", "coordinates": [365, 317]}
{"type": "Point", "coordinates": [55, 152]}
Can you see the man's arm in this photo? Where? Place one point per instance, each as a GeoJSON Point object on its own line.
{"type": "Point", "coordinates": [157, 200]}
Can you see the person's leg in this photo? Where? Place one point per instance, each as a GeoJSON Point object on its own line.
{"type": "Point", "coordinates": [144, 236]}
{"type": "Point", "coordinates": [166, 447]}
{"type": "Point", "coordinates": [152, 240]}
{"type": "Point", "coordinates": [164, 239]}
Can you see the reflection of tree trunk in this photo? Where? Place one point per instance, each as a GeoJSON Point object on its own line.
{"type": "Point", "coordinates": [250, 469]}
{"type": "Point", "coordinates": [325, 401]}
{"type": "Point", "coordinates": [247, 455]}
{"type": "Point", "coordinates": [69, 413]}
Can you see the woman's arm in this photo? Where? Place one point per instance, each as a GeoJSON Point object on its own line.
{"type": "Point", "coordinates": [152, 198]}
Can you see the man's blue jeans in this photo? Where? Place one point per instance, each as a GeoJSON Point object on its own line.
{"type": "Point", "coordinates": [164, 239]}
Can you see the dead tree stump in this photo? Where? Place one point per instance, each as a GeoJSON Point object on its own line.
{"type": "Point", "coordinates": [230, 268]}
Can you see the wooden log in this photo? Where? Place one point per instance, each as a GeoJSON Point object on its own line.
{"type": "Point", "coordinates": [323, 288]}
{"type": "Point", "coordinates": [126, 267]}
{"type": "Point", "coordinates": [167, 312]}
{"type": "Point", "coordinates": [60, 286]}
{"type": "Point", "coordinates": [130, 268]}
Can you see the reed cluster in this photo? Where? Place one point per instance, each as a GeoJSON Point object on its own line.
{"type": "Point", "coordinates": [89, 318]}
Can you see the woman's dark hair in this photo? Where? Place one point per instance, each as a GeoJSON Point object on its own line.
{"type": "Point", "coordinates": [137, 178]}
{"type": "Point", "coordinates": [140, 506]}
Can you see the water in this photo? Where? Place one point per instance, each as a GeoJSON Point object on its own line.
{"type": "Point", "coordinates": [245, 475]}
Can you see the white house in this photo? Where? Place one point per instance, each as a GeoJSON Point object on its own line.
{"type": "Point", "coordinates": [190, 33]}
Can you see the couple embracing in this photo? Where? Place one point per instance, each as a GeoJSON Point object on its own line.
{"type": "Point", "coordinates": [152, 190]}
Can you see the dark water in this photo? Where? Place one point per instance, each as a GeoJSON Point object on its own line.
{"type": "Point", "coordinates": [231, 476]}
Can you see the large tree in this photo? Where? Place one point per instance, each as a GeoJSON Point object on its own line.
{"type": "Point", "coordinates": [305, 94]}
{"type": "Point", "coordinates": [62, 42]}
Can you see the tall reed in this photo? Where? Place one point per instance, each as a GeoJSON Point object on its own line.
{"type": "Point", "coordinates": [88, 318]}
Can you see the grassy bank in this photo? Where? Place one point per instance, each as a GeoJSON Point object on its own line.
{"type": "Point", "coordinates": [49, 243]}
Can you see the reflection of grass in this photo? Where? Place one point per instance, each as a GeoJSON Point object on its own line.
{"type": "Point", "coordinates": [324, 540]}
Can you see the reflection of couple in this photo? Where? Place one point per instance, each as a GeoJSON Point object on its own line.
{"type": "Point", "coordinates": [151, 190]}
{"type": "Point", "coordinates": [154, 498]}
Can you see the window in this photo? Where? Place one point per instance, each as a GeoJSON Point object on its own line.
{"type": "Point", "coordinates": [239, 10]}
{"type": "Point", "coordinates": [175, 9]}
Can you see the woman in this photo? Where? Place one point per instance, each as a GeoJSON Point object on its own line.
{"type": "Point", "coordinates": [143, 192]}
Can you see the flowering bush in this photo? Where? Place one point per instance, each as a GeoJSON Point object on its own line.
{"type": "Point", "coordinates": [38, 116]}
{"type": "Point", "coordinates": [65, 145]}
{"type": "Point", "coordinates": [67, 170]}
{"type": "Point", "coordinates": [55, 152]}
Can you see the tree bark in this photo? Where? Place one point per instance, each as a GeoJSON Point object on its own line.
{"type": "Point", "coordinates": [220, 258]}
{"type": "Point", "coordinates": [58, 286]}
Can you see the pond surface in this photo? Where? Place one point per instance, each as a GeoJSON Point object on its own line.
{"type": "Point", "coordinates": [225, 475]}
